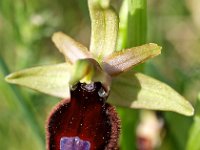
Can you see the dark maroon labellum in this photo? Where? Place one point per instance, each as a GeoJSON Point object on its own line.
{"type": "Point", "coordinates": [87, 118]}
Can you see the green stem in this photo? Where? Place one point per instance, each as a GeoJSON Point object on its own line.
{"type": "Point", "coordinates": [132, 32]}
{"type": "Point", "coordinates": [123, 26]}
{"type": "Point", "coordinates": [129, 120]}
{"type": "Point", "coordinates": [133, 24]}
{"type": "Point", "coordinates": [25, 107]}
{"type": "Point", "coordinates": [137, 22]}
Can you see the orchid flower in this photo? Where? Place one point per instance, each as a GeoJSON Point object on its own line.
{"type": "Point", "coordinates": [91, 78]}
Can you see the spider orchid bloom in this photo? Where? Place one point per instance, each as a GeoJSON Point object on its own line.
{"type": "Point", "coordinates": [89, 79]}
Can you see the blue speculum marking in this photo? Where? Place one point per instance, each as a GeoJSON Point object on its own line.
{"type": "Point", "coordinates": [74, 143]}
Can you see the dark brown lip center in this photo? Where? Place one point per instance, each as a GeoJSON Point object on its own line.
{"type": "Point", "coordinates": [86, 117]}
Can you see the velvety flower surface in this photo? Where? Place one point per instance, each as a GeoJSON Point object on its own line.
{"type": "Point", "coordinates": [87, 117]}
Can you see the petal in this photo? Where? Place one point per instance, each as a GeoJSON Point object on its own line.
{"type": "Point", "coordinates": [104, 29]}
{"type": "Point", "coordinates": [52, 79]}
{"type": "Point", "coordinates": [121, 61]}
{"type": "Point", "coordinates": [71, 49]}
{"type": "Point", "coordinates": [136, 90]}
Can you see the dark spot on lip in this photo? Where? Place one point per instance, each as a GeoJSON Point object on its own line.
{"type": "Point", "coordinates": [87, 116]}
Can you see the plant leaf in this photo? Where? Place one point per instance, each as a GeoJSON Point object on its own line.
{"type": "Point", "coordinates": [121, 61]}
{"type": "Point", "coordinates": [104, 29]}
{"type": "Point", "coordinates": [194, 136]}
{"type": "Point", "coordinates": [71, 49]}
{"type": "Point", "coordinates": [52, 79]}
{"type": "Point", "coordinates": [136, 90]}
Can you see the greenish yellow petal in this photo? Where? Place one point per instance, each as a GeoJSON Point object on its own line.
{"type": "Point", "coordinates": [124, 60]}
{"type": "Point", "coordinates": [71, 49]}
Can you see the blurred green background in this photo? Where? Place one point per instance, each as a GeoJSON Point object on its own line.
{"type": "Point", "coordinates": [26, 27]}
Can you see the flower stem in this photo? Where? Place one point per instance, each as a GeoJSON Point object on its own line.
{"type": "Point", "coordinates": [133, 24]}
{"type": "Point", "coordinates": [137, 22]}
{"type": "Point", "coordinates": [132, 32]}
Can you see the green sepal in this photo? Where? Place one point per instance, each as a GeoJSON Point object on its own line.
{"type": "Point", "coordinates": [51, 79]}
{"type": "Point", "coordinates": [136, 90]}
{"type": "Point", "coordinates": [104, 24]}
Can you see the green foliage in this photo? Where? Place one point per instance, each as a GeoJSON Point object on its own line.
{"type": "Point", "coordinates": [193, 141]}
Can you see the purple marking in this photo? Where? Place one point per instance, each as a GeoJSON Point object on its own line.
{"type": "Point", "coordinates": [74, 143]}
